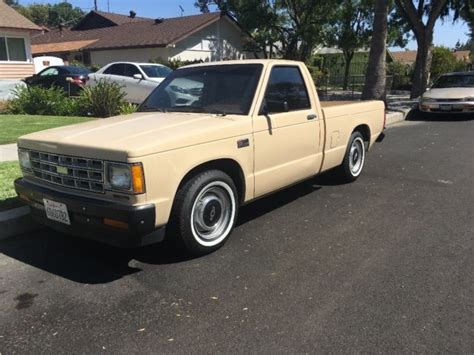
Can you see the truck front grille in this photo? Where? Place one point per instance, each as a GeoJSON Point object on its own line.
{"type": "Point", "coordinates": [68, 171]}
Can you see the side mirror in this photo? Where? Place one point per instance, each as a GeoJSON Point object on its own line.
{"type": "Point", "coordinates": [138, 76]}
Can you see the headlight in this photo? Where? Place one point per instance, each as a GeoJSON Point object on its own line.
{"type": "Point", "coordinates": [470, 98]}
{"type": "Point", "coordinates": [24, 158]}
{"type": "Point", "coordinates": [125, 177]}
{"type": "Point", "coordinates": [427, 99]}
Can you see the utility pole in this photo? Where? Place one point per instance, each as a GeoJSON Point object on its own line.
{"type": "Point", "coordinates": [108, 6]}
{"type": "Point", "coordinates": [95, 5]}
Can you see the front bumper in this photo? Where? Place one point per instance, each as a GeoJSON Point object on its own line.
{"type": "Point", "coordinates": [462, 107]}
{"type": "Point", "coordinates": [87, 217]}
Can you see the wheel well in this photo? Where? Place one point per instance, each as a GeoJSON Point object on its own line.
{"type": "Point", "coordinates": [365, 131]}
{"type": "Point", "coordinates": [228, 166]}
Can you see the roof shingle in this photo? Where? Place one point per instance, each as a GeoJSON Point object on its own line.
{"type": "Point", "coordinates": [9, 18]}
{"type": "Point", "coordinates": [144, 33]}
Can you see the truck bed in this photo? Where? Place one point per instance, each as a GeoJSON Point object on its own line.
{"type": "Point", "coordinates": [337, 103]}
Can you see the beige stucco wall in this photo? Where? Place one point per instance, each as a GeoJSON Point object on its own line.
{"type": "Point", "coordinates": [220, 40]}
{"type": "Point", "coordinates": [16, 69]}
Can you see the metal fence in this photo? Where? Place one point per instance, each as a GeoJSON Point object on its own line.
{"type": "Point", "coordinates": [355, 83]}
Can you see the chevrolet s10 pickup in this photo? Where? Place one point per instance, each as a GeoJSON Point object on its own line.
{"type": "Point", "coordinates": [210, 138]}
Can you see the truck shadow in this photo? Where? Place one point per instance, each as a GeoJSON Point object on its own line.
{"type": "Point", "coordinates": [89, 262]}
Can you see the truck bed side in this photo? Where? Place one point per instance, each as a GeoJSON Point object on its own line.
{"type": "Point", "coordinates": [341, 118]}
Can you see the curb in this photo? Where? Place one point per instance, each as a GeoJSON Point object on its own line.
{"type": "Point", "coordinates": [397, 116]}
{"type": "Point", "coordinates": [17, 221]}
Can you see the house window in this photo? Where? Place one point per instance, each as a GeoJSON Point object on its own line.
{"type": "Point", "coordinates": [12, 49]}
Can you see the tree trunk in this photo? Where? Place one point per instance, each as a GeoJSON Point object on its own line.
{"type": "Point", "coordinates": [375, 77]}
{"type": "Point", "coordinates": [421, 75]}
{"type": "Point", "coordinates": [347, 67]}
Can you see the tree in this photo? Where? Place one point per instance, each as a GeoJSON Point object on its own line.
{"type": "Point", "coordinates": [64, 13]}
{"type": "Point", "coordinates": [375, 79]}
{"type": "Point", "coordinates": [350, 30]}
{"type": "Point", "coordinates": [421, 16]}
{"type": "Point", "coordinates": [287, 28]}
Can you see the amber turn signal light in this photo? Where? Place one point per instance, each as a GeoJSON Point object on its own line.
{"type": "Point", "coordinates": [114, 223]}
{"type": "Point", "coordinates": [138, 179]}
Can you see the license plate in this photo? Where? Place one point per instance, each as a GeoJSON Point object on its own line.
{"type": "Point", "coordinates": [56, 211]}
{"type": "Point", "coordinates": [446, 107]}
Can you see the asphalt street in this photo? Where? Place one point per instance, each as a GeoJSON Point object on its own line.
{"type": "Point", "coordinates": [385, 264]}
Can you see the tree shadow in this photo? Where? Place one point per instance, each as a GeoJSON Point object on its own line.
{"type": "Point", "coordinates": [88, 262]}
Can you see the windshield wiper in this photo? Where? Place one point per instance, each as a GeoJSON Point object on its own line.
{"type": "Point", "coordinates": [151, 109]}
{"type": "Point", "coordinates": [216, 112]}
{"type": "Point", "coordinates": [196, 109]}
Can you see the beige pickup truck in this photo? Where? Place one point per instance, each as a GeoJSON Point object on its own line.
{"type": "Point", "coordinates": [210, 138]}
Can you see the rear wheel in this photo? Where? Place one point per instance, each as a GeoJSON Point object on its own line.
{"type": "Point", "coordinates": [205, 212]}
{"type": "Point", "coordinates": [354, 160]}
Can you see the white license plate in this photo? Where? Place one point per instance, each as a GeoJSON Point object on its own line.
{"type": "Point", "coordinates": [56, 211]}
{"type": "Point", "coordinates": [446, 107]}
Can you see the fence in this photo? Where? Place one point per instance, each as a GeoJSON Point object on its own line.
{"type": "Point", "coordinates": [355, 83]}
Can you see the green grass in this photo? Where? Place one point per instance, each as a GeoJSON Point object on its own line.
{"type": "Point", "coordinates": [14, 126]}
{"type": "Point", "coordinates": [9, 171]}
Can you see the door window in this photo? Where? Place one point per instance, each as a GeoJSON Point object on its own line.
{"type": "Point", "coordinates": [49, 72]}
{"type": "Point", "coordinates": [286, 90]}
{"type": "Point", "coordinates": [131, 70]}
{"type": "Point", "coordinates": [115, 69]}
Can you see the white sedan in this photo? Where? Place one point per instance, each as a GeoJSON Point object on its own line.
{"type": "Point", "coordinates": [451, 93]}
{"type": "Point", "coordinates": [137, 79]}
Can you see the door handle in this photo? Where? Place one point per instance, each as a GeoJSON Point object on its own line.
{"type": "Point", "coordinates": [311, 116]}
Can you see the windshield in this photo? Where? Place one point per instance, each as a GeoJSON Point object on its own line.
{"type": "Point", "coordinates": [77, 70]}
{"type": "Point", "coordinates": [454, 81]}
{"type": "Point", "coordinates": [156, 71]}
{"type": "Point", "coordinates": [222, 89]}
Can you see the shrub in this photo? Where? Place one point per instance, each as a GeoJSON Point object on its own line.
{"type": "Point", "coordinates": [444, 61]}
{"type": "Point", "coordinates": [401, 75]}
{"type": "Point", "coordinates": [174, 63]}
{"type": "Point", "coordinates": [102, 100]}
{"type": "Point", "coordinates": [39, 101]}
{"type": "Point", "coordinates": [128, 108]}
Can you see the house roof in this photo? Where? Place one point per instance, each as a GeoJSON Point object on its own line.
{"type": "Point", "coordinates": [61, 47]}
{"type": "Point", "coordinates": [119, 19]}
{"type": "Point", "coordinates": [463, 55]}
{"type": "Point", "coordinates": [9, 18]}
{"type": "Point", "coordinates": [404, 57]}
{"type": "Point", "coordinates": [409, 57]}
{"type": "Point", "coordinates": [143, 33]}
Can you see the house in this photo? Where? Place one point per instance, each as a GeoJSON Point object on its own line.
{"type": "Point", "coordinates": [102, 37]}
{"type": "Point", "coordinates": [408, 58]}
{"type": "Point", "coordinates": [16, 61]}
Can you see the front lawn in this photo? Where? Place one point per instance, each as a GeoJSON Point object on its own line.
{"type": "Point", "coordinates": [14, 126]}
{"type": "Point", "coordinates": [9, 171]}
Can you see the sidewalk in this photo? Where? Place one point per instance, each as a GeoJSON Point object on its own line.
{"type": "Point", "coordinates": [8, 152]}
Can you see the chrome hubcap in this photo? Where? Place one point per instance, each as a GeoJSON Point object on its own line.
{"type": "Point", "coordinates": [356, 156]}
{"type": "Point", "coordinates": [213, 213]}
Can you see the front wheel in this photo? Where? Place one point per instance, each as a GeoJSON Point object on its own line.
{"type": "Point", "coordinates": [205, 212]}
{"type": "Point", "coordinates": [354, 159]}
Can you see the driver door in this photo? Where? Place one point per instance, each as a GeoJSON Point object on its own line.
{"type": "Point", "coordinates": [286, 132]}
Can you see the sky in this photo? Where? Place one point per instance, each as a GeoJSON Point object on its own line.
{"type": "Point", "coordinates": [446, 34]}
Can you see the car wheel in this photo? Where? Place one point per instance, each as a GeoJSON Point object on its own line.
{"type": "Point", "coordinates": [354, 159]}
{"type": "Point", "coordinates": [205, 212]}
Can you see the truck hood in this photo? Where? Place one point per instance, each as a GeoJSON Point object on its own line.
{"type": "Point", "coordinates": [449, 93]}
{"type": "Point", "coordinates": [136, 135]}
